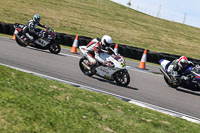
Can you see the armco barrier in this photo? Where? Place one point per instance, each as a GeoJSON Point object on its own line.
{"type": "Point", "coordinates": [1, 28]}
{"type": "Point", "coordinates": [124, 50]}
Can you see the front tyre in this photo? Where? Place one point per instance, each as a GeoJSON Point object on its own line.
{"type": "Point", "coordinates": [54, 48]}
{"type": "Point", "coordinates": [83, 68]}
{"type": "Point", "coordinates": [122, 78]}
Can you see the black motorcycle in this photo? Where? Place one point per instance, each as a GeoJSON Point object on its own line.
{"type": "Point", "coordinates": [45, 42]}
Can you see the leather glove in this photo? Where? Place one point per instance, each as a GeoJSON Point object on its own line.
{"type": "Point", "coordinates": [39, 34]}
{"type": "Point", "coordinates": [105, 62]}
{"type": "Point", "coordinates": [185, 77]}
{"type": "Point", "coordinates": [191, 63]}
{"type": "Point", "coordinates": [108, 64]}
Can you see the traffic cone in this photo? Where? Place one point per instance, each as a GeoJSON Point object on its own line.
{"type": "Point", "coordinates": [13, 37]}
{"type": "Point", "coordinates": [116, 48]}
{"type": "Point", "coordinates": [143, 60]}
{"type": "Point", "coordinates": [75, 45]}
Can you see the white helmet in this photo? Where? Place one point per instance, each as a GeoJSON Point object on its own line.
{"type": "Point", "coordinates": [106, 41]}
{"type": "Point", "coordinates": [182, 61]}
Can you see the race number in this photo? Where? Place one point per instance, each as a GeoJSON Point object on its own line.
{"type": "Point", "coordinates": [122, 64]}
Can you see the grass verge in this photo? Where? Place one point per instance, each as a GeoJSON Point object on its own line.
{"type": "Point", "coordinates": [33, 104]}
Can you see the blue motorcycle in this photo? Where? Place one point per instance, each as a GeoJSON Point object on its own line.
{"type": "Point", "coordinates": [190, 77]}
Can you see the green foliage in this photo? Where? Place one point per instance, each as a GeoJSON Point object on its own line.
{"type": "Point", "coordinates": [33, 104]}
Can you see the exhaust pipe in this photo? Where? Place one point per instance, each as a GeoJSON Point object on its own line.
{"type": "Point", "coordinates": [19, 38]}
{"type": "Point", "coordinates": [87, 67]}
{"type": "Point", "coordinates": [165, 74]}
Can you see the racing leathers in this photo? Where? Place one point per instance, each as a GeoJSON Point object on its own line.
{"type": "Point", "coordinates": [94, 49]}
{"type": "Point", "coordinates": [176, 71]}
{"type": "Point", "coordinates": [30, 30]}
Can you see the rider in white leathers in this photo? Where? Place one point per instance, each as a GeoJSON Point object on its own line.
{"type": "Point", "coordinates": [96, 47]}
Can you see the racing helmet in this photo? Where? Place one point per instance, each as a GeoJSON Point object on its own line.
{"type": "Point", "coordinates": [36, 18]}
{"type": "Point", "coordinates": [182, 61]}
{"type": "Point", "coordinates": [106, 41]}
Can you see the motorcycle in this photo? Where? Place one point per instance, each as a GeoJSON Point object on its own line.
{"type": "Point", "coordinates": [45, 42]}
{"type": "Point", "coordinates": [192, 74]}
{"type": "Point", "coordinates": [117, 72]}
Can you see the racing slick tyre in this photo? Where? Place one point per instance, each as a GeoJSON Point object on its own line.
{"type": "Point", "coordinates": [54, 48]}
{"type": "Point", "coordinates": [20, 43]}
{"type": "Point", "coordinates": [122, 78]}
{"type": "Point", "coordinates": [83, 67]}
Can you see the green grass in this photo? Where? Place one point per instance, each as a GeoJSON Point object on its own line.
{"type": "Point", "coordinates": [88, 18]}
{"type": "Point", "coordinates": [4, 35]}
{"type": "Point", "coordinates": [33, 104]}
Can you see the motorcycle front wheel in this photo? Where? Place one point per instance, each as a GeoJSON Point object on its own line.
{"type": "Point", "coordinates": [54, 48]}
{"type": "Point", "coordinates": [122, 78]}
{"type": "Point", "coordinates": [83, 68]}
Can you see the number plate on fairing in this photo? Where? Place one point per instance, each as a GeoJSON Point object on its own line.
{"type": "Point", "coordinates": [42, 42]}
{"type": "Point", "coordinates": [123, 64]}
{"type": "Point", "coordinates": [105, 71]}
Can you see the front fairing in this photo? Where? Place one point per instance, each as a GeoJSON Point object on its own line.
{"type": "Point", "coordinates": [118, 61]}
{"type": "Point", "coordinates": [108, 72]}
{"type": "Point", "coordinates": [49, 33]}
{"type": "Point", "coordinates": [186, 70]}
{"type": "Point", "coordinates": [121, 62]}
{"type": "Point", "coordinates": [196, 74]}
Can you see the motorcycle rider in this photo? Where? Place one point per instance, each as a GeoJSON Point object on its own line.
{"type": "Point", "coordinates": [178, 66]}
{"type": "Point", "coordinates": [30, 31]}
{"type": "Point", "coordinates": [96, 47]}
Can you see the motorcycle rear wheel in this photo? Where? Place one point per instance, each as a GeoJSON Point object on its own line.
{"type": "Point", "coordinates": [20, 43]}
{"type": "Point", "coordinates": [82, 67]}
{"type": "Point", "coordinates": [54, 48]}
{"type": "Point", "coordinates": [122, 78]}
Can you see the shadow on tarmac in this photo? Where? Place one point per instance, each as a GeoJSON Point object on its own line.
{"type": "Point", "coordinates": [46, 51]}
{"type": "Point", "coordinates": [111, 82]}
{"type": "Point", "coordinates": [189, 90]}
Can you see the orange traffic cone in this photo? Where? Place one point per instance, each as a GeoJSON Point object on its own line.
{"type": "Point", "coordinates": [13, 37]}
{"type": "Point", "coordinates": [143, 60]}
{"type": "Point", "coordinates": [75, 45]}
{"type": "Point", "coordinates": [116, 48]}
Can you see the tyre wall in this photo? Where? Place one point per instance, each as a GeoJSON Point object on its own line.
{"type": "Point", "coordinates": [124, 50]}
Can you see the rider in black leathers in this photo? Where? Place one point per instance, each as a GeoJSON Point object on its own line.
{"type": "Point", "coordinates": [30, 31]}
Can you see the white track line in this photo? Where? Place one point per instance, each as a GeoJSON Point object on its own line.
{"type": "Point", "coordinates": [70, 55]}
{"type": "Point", "coordinates": [136, 102]}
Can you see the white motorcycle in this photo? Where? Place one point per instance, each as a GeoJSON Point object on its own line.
{"type": "Point", "coordinates": [117, 72]}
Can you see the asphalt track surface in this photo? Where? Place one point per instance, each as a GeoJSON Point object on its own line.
{"type": "Point", "coordinates": [145, 86]}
